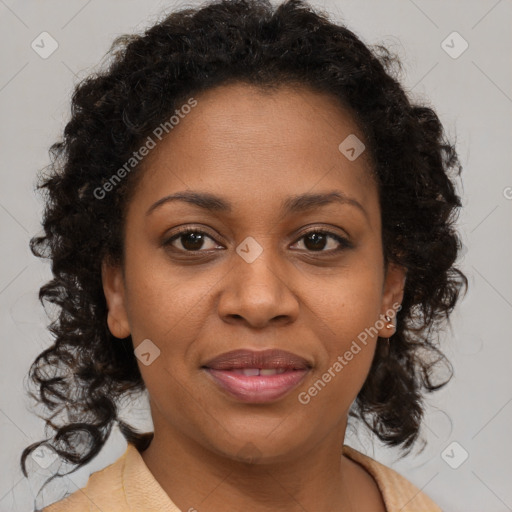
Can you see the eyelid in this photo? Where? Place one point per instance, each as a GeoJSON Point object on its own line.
{"type": "Point", "coordinates": [185, 230]}
{"type": "Point", "coordinates": [343, 241]}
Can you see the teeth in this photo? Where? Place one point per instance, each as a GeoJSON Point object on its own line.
{"type": "Point", "coordinates": [252, 372]}
{"type": "Point", "coordinates": [268, 371]}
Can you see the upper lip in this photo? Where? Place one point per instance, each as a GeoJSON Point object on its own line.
{"type": "Point", "coordinates": [271, 358]}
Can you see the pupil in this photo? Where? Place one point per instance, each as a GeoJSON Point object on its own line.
{"type": "Point", "coordinates": [318, 240]}
{"type": "Point", "coordinates": [196, 240]}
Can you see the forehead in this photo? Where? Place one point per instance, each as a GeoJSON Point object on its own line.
{"type": "Point", "coordinates": [250, 144]}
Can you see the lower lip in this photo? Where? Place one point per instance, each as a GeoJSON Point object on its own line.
{"type": "Point", "coordinates": [258, 388]}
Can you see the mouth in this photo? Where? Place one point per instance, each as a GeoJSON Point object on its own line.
{"type": "Point", "coordinates": [257, 377]}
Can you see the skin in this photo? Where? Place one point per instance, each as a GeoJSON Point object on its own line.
{"type": "Point", "coordinates": [255, 150]}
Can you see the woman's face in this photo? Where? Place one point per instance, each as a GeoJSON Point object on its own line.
{"type": "Point", "coordinates": [259, 277]}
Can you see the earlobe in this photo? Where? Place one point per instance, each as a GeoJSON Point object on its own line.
{"type": "Point", "coordinates": [114, 290]}
{"type": "Point", "coordinates": [392, 297]}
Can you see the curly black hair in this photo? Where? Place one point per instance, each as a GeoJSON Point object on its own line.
{"type": "Point", "coordinates": [87, 371]}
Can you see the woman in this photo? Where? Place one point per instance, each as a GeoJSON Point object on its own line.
{"type": "Point", "coordinates": [248, 218]}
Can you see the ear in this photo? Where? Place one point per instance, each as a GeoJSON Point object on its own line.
{"type": "Point", "coordinates": [113, 288]}
{"type": "Point", "coordinates": [392, 296]}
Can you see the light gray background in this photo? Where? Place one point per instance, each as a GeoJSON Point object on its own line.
{"type": "Point", "coordinates": [473, 96]}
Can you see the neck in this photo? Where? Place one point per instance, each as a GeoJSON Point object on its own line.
{"type": "Point", "coordinates": [195, 477]}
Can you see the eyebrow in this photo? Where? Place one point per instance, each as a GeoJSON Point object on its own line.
{"type": "Point", "coordinates": [293, 204]}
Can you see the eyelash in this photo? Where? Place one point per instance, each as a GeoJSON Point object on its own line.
{"type": "Point", "coordinates": [344, 243]}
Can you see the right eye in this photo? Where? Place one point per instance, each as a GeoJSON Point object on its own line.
{"type": "Point", "coordinates": [191, 240]}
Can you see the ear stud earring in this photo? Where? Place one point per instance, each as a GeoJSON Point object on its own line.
{"type": "Point", "coordinates": [389, 325]}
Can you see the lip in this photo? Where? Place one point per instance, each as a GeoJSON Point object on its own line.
{"type": "Point", "coordinates": [270, 358]}
{"type": "Point", "coordinates": [287, 370]}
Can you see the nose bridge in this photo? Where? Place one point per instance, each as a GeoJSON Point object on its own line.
{"type": "Point", "coordinates": [257, 289]}
{"type": "Point", "coordinates": [260, 273]}
{"type": "Point", "coordinates": [257, 271]}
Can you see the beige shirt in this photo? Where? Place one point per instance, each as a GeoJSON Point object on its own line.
{"type": "Point", "coordinates": [127, 485]}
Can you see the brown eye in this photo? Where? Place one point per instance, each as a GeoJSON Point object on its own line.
{"type": "Point", "coordinates": [190, 240]}
{"type": "Point", "coordinates": [318, 241]}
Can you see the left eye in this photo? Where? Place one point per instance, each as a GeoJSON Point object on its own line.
{"type": "Point", "coordinates": [317, 241]}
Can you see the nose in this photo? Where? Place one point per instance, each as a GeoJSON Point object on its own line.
{"type": "Point", "coordinates": [258, 294]}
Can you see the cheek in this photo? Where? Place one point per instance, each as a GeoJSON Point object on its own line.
{"type": "Point", "coordinates": [346, 305]}
{"type": "Point", "coordinates": [165, 302]}
{"type": "Point", "coordinates": [348, 347]}
{"type": "Point", "coordinates": [346, 313]}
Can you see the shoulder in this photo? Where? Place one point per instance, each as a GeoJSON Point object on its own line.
{"type": "Point", "coordinates": [104, 491]}
{"type": "Point", "coordinates": [398, 493]}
